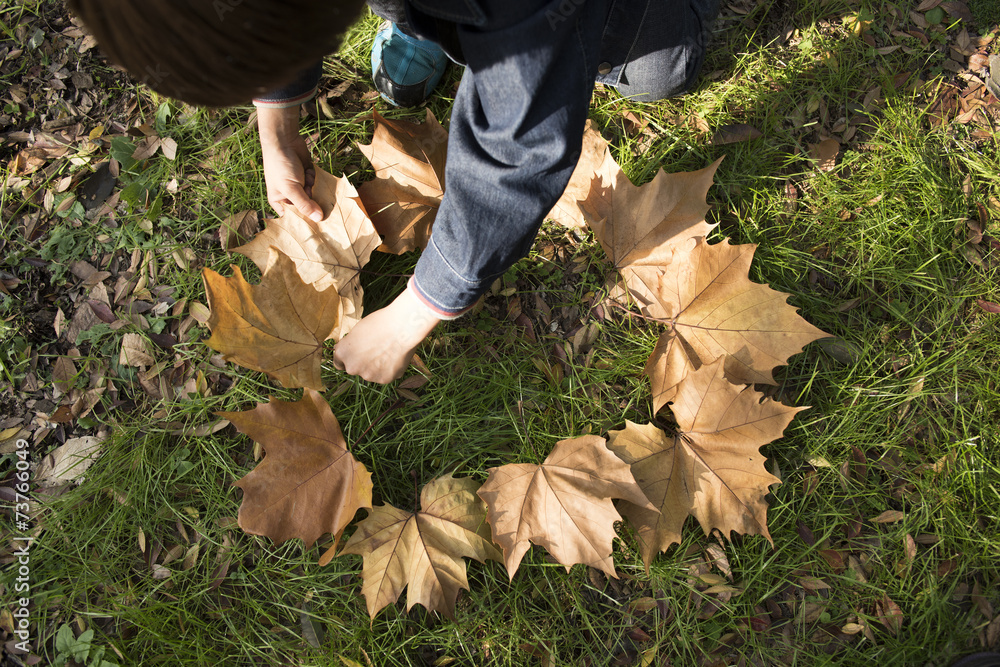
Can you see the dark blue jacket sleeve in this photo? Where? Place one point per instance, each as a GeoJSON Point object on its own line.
{"type": "Point", "coordinates": [514, 140]}
{"type": "Point", "coordinates": [297, 92]}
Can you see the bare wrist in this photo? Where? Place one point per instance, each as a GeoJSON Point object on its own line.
{"type": "Point", "coordinates": [278, 125]}
{"type": "Point", "coordinates": [423, 318]}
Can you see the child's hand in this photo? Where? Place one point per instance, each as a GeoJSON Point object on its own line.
{"type": "Point", "coordinates": [288, 169]}
{"type": "Point", "coordinates": [380, 346]}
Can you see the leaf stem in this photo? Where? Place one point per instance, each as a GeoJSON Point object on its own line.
{"type": "Point", "coordinates": [605, 293]}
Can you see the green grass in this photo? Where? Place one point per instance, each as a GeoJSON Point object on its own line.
{"type": "Point", "coordinates": [986, 13]}
{"type": "Point", "coordinates": [868, 253]}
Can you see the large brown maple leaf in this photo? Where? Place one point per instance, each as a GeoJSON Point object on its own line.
{"type": "Point", "coordinates": [705, 294]}
{"type": "Point", "coordinates": [277, 327]}
{"type": "Point", "coordinates": [404, 196]}
{"type": "Point", "coordinates": [640, 227]}
{"type": "Point", "coordinates": [308, 483]}
{"type": "Point", "coordinates": [713, 470]}
{"type": "Point", "coordinates": [423, 550]}
{"type": "Point", "coordinates": [563, 505]}
{"type": "Point", "coordinates": [596, 165]}
{"type": "Point", "coordinates": [329, 252]}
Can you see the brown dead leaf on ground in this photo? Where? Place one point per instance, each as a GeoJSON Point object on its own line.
{"type": "Point", "coordinates": [69, 461]}
{"type": "Point", "coordinates": [308, 484]}
{"type": "Point", "coordinates": [958, 9]}
{"type": "Point", "coordinates": [563, 505]}
{"type": "Point", "coordinates": [63, 376]}
{"type": "Point", "coordinates": [326, 253]}
{"type": "Point", "coordinates": [889, 614]}
{"type": "Point", "coordinates": [86, 317]}
{"type": "Point", "coordinates": [238, 228]}
{"type": "Point", "coordinates": [716, 310]}
{"type": "Point", "coordinates": [890, 516]}
{"type": "Point", "coordinates": [713, 470]}
{"type": "Point", "coordinates": [988, 306]}
{"type": "Point", "coordinates": [992, 634]}
{"type": "Point", "coordinates": [404, 196]}
{"type": "Point", "coordinates": [734, 133]}
{"type": "Point", "coordinates": [423, 550]}
{"type": "Point", "coordinates": [825, 153]}
{"type": "Point", "coordinates": [135, 351]}
{"type": "Point", "coordinates": [277, 327]}
{"type": "Point", "coordinates": [595, 162]}
{"type": "Point", "coordinates": [640, 227]}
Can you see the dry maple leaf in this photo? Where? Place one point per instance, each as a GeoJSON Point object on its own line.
{"type": "Point", "coordinates": [308, 484]}
{"type": "Point", "coordinates": [595, 162]}
{"type": "Point", "coordinates": [668, 364]}
{"type": "Point", "coordinates": [639, 227]}
{"type": "Point", "coordinates": [423, 550]}
{"type": "Point", "coordinates": [277, 327]}
{"type": "Point", "coordinates": [329, 252]}
{"type": "Point", "coordinates": [403, 198]}
{"type": "Point", "coordinates": [713, 470]}
{"type": "Point", "coordinates": [706, 295]}
{"type": "Point", "coordinates": [563, 505]}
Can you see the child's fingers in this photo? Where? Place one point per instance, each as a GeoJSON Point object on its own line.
{"type": "Point", "coordinates": [297, 196]}
{"type": "Point", "coordinates": [337, 363]}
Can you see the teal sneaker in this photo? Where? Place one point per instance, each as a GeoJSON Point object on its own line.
{"type": "Point", "coordinates": [405, 69]}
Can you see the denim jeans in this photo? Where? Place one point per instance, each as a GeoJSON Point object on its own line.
{"type": "Point", "coordinates": [661, 60]}
{"type": "Point", "coordinates": [518, 118]}
{"type": "Point", "coordinates": [668, 51]}
{"type": "Point", "coordinates": [517, 123]}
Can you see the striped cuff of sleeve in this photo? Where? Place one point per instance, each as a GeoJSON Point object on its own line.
{"type": "Point", "coordinates": [435, 310]}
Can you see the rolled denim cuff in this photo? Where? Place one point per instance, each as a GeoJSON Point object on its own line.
{"type": "Point", "coordinates": [298, 91]}
{"type": "Point", "coordinates": [439, 287]}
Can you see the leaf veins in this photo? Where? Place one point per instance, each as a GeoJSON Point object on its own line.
{"type": "Point", "coordinates": [423, 550]}
{"type": "Point", "coordinates": [277, 327]}
{"type": "Point", "coordinates": [705, 292]}
{"type": "Point", "coordinates": [308, 484]}
{"type": "Point", "coordinates": [326, 253]}
{"type": "Point", "coordinates": [404, 196]}
{"type": "Point", "coordinates": [639, 227]}
{"type": "Point", "coordinates": [563, 505]}
{"type": "Point", "coordinates": [713, 470]}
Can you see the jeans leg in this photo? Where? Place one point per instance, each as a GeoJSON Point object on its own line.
{"type": "Point", "coordinates": [669, 49]}
{"type": "Point", "coordinates": [391, 10]}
